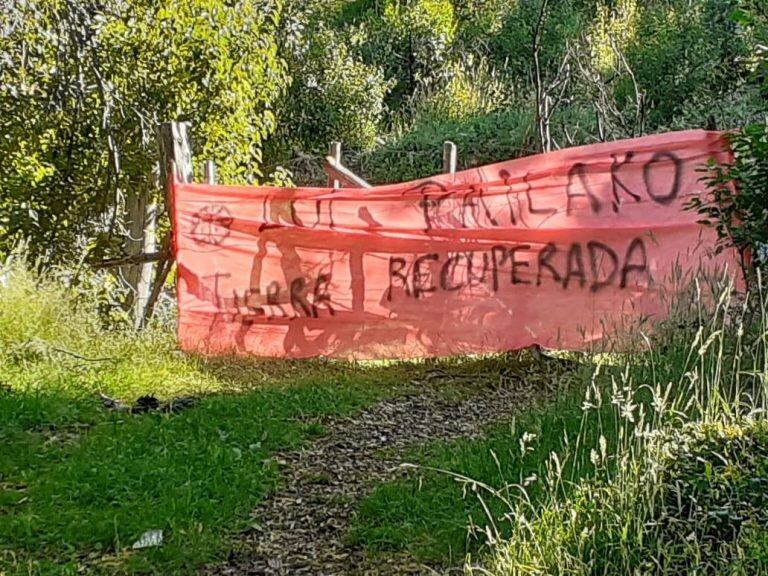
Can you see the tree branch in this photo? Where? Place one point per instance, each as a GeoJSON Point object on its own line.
{"type": "Point", "coordinates": [142, 258]}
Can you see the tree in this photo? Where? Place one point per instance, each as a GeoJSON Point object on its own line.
{"type": "Point", "coordinates": [84, 83]}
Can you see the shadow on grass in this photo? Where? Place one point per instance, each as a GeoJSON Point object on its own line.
{"type": "Point", "coordinates": [428, 513]}
{"type": "Point", "coordinates": [79, 484]}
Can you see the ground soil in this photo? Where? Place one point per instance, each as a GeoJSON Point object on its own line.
{"type": "Point", "coordinates": [300, 529]}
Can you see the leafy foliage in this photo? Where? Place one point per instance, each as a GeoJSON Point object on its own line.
{"type": "Point", "coordinates": [267, 84]}
{"type": "Point", "coordinates": [717, 476]}
{"type": "Point", "coordinates": [613, 70]}
{"type": "Point", "coordinates": [83, 86]}
{"type": "Point", "coordinates": [737, 206]}
{"type": "Point", "coordinates": [333, 95]}
{"type": "Point", "coordinates": [416, 153]}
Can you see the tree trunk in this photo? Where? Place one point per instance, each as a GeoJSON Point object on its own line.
{"type": "Point", "coordinates": [140, 225]}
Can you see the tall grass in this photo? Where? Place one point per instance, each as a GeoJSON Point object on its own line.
{"type": "Point", "coordinates": [80, 483]}
{"type": "Point", "coordinates": [681, 485]}
{"type": "Point", "coordinates": [53, 341]}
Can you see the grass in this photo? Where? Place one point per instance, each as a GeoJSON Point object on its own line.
{"type": "Point", "coordinates": [428, 512]}
{"type": "Point", "coordinates": [79, 484]}
{"type": "Point", "coordinates": [96, 483]}
{"type": "Point", "coordinates": [655, 466]}
{"type": "Point", "coordinates": [594, 484]}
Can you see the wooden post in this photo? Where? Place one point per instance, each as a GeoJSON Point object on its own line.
{"type": "Point", "coordinates": [175, 161]}
{"type": "Point", "coordinates": [144, 285]}
{"type": "Point", "coordinates": [343, 175]}
{"type": "Point", "coordinates": [334, 151]}
{"type": "Point", "coordinates": [449, 157]}
{"type": "Point", "coordinates": [209, 168]}
{"type": "Point", "coordinates": [175, 153]}
{"type": "Point", "coordinates": [137, 228]}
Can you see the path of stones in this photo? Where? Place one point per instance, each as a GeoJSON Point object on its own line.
{"type": "Point", "coordinates": [302, 526]}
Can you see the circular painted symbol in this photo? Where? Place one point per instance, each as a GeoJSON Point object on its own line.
{"type": "Point", "coordinates": [211, 224]}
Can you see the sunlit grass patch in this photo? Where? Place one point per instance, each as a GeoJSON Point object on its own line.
{"type": "Point", "coordinates": [79, 483]}
{"type": "Point", "coordinates": [195, 475]}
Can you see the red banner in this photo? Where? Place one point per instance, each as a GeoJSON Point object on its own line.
{"type": "Point", "coordinates": [555, 249]}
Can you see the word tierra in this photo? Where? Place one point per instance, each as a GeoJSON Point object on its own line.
{"type": "Point", "coordinates": [306, 298]}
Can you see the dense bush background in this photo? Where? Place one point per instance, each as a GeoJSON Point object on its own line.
{"type": "Point", "coordinates": [267, 84]}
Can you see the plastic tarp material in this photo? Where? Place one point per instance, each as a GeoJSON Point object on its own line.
{"type": "Point", "coordinates": [556, 249]}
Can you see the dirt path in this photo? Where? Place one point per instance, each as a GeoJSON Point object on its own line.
{"type": "Point", "coordinates": [302, 526]}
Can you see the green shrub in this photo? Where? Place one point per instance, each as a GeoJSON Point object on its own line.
{"type": "Point", "coordinates": [512, 45]}
{"type": "Point", "coordinates": [472, 88]}
{"type": "Point", "coordinates": [683, 50]}
{"type": "Point", "coordinates": [700, 508]}
{"type": "Point", "coordinates": [480, 140]}
{"type": "Point", "coordinates": [83, 86]}
{"type": "Point", "coordinates": [716, 484]}
{"type": "Point", "coordinates": [412, 39]}
{"type": "Point", "coordinates": [682, 489]}
{"type": "Point", "coordinates": [737, 204]}
{"type": "Point", "coordinates": [334, 95]}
